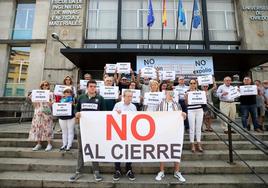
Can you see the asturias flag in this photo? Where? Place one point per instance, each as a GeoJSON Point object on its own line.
{"type": "Point", "coordinates": [150, 17]}
{"type": "Point", "coordinates": [181, 13]}
{"type": "Point", "coordinates": [164, 15]}
{"type": "Point", "coordinates": [197, 18]}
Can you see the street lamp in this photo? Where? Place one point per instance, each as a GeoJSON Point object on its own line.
{"type": "Point", "coordinates": [56, 37]}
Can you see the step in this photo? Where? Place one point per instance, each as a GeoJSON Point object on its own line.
{"type": "Point", "coordinates": [205, 136]}
{"type": "Point", "coordinates": [187, 167]}
{"type": "Point", "coordinates": [57, 143]}
{"type": "Point", "coordinates": [20, 152]}
{"type": "Point", "coordinates": [57, 180]}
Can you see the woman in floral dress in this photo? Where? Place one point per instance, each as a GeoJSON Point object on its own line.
{"type": "Point", "coordinates": [42, 123]}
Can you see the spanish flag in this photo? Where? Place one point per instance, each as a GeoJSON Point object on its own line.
{"type": "Point", "coordinates": [164, 14]}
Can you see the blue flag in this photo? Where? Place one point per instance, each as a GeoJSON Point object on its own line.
{"type": "Point", "coordinates": [181, 13]}
{"type": "Point", "coordinates": [150, 17]}
{"type": "Point", "coordinates": [196, 18]}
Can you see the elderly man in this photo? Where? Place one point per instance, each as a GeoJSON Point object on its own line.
{"type": "Point", "coordinates": [227, 105]}
{"type": "Point", "coordinates": [248, 105]}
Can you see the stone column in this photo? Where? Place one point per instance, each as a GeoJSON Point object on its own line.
{"type": "Point", "coordinates": [38, 51]}
{"type": "Point", "coordinates": [7, 12]}
{"type": "Point", "coordinates": [253, 23]}
{"type": "Point", "coordinates": [68, 21]}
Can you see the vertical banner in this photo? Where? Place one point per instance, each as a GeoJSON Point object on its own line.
{"type": "Point", "coordinates": [132, 136]}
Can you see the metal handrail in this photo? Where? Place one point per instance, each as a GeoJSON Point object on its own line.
{"type": "Point", "coordinates": [226, 119]}
{"type": "Point", "coordinates": [238, 128]}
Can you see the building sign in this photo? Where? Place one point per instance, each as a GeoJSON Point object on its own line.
{"type": "Point", "coordinates": [182, 65]}
{"type": "Point", "coordinates": [66, 13]}
{"type": "Point", "coordinates": [259, 11]}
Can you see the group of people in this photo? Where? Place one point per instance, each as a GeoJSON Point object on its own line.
{"type": "Point", "coordinates": [194, 115]}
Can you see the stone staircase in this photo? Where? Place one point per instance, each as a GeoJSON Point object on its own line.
{"type": "Point", "coordinates": [22, 167]}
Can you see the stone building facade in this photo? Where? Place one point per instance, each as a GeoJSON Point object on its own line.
{"type": "Point", "coordinates": [94, 24]}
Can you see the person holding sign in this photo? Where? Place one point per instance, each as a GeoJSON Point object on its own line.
{"type": "Point", "coordinates": [208, 114]}
{"type": "Point", "coordinates": [182, 88]}
{"type": "Point", "coordinates": [170, 105]}
{"type": "Point", "coordinates": [195, 117]}
{"type": "Point", "coordinates": [87, 102]}
{"type": "Point", "coordinates": [248, 105]}
{"type": "Point", "coordinates": [123, 106]}
{"type": "Point", "coordinates": [154, 87]}
{"type": "Point", "coordinates": [42, 129]}
{"type": "Point", "coordinates": [109, 81]}
{"type": "Point", "coordinates": [67, 122]}
{"type": "Point", "coordinates": [227, 105]}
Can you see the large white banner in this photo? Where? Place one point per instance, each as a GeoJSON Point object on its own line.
{"type": "Point", "coordinates": [182, 65]}
{"type": "Point", "coordinates": [132, 136]}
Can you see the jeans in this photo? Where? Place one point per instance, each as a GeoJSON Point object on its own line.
{"type": "Point", "coordinates": [245, 110]}
{"type": "Point", "coordinates": [184, 109]}
{"type": "Point", "coordinates": [67, 127]}
{"type": "Point", "coordinates": [80, 161]}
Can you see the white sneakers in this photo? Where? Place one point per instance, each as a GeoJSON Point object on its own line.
{"type": "Point", "coordinates": [160, 176]}
{"type": "Point", "coordinates": [49, 147]}
{"type": "Point", "coordinates": [177, 175]}
{"type": "Point", "coordinates": [37, 147]}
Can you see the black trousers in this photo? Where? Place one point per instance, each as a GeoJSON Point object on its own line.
{"type": "Point", "coordinates": [128, 166]}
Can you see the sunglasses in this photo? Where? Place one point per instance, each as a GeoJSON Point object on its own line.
{"type": "Point", "coordinates": [44, 85]}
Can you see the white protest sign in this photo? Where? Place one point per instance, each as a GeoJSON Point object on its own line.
{"type": "Point", "coordinates": [62, 109]}
{"type": "Point", "coordinates": [205, 80]}
{"type": "Point", "coordinates": [152, 98]}
{"type": "Point", "coordinates": [123, 67]}
{"type": "Point", "coordinates": [131, 136]}
{"type": "Point", "coordinates": [109, 92]}
{"type": "Point", "coordinates": [40, 95]}
{"type": "Point", "coordinates": [110, 68]}
{"type": "Point", "coordinates": [248, 90]}
{"type": "Point", "coordinates": [99, 83]}
{"type": "Point", "coordinates": [168, 75]}
{"type": "Point", "coordinates": [58, 90]}
{"type": "Point", "coordinates": [83, 84]}
{"type": "Point", "coordinates": [148, 72]}
{"type": "Point", "coordinates": [181, 90]}
{"type": "Point", "coordinates": [233, 93]}
{"type": "Point", "coordinates": [197, 97]}
{"type": "Point", "coordinates": [136, 98]}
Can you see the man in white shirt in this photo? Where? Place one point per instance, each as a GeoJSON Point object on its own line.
{"type": "Point", "coordinates": [122, 106]}
{"type": "Point", "coordinates": [182, 88]}
{"type": "Point", "coordinates": [227, 105]}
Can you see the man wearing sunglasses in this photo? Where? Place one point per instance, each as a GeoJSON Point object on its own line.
{"type": "Point", "coordinates": [90, 101]}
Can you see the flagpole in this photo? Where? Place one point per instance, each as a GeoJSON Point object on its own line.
{"type": "Point", "coordinates": [162, 29]}
{"type": "Point", "coordinates": [149, 28]}
{"type": "Point", "coordinates": [177, 29]}
{"type": "Point", "coordinates": [191, 29]}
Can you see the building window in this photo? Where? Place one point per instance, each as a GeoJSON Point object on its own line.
{"type": "Point", "coordinates": [17, 71]}
{"type": "Point", "coordinates": [24, 20]}
{"type": "Point", "coordinates": [221, 20]}
{"type": "Point", "coordinates": [102, 19]}
{"type": "Point", "coordinates": [134, 21]}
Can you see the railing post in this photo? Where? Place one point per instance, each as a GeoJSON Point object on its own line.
{"type": "Point", "coordinates": [230, 145]}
